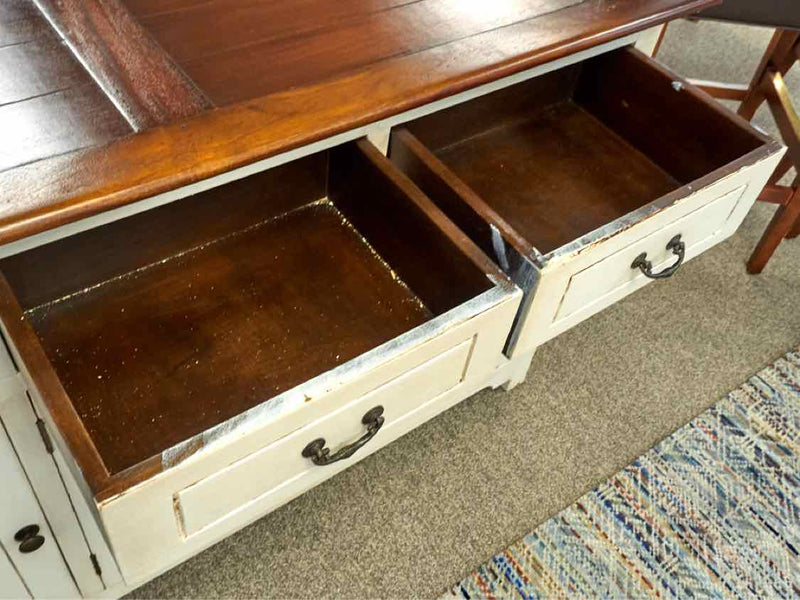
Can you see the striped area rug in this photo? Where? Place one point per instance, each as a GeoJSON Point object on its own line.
{"type": "Point", "coordinates": [713, 511]}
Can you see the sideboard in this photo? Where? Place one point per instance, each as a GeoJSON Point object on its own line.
{"type": "Point", "coordinates": [247, 244]}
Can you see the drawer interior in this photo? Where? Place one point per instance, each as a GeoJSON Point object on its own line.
{"type": "Point", "coordinates": [172, 321]}
{"type": "Point", "coordinates": [563, 154]}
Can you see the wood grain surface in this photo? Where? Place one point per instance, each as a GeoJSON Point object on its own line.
{"type": "Point", "coordinates": [81, 261]}
{"type": "Point", "coordinates": [36, 68]}
{"type": "Point", "coordinates": [48, 104]}
{"type": "Point", "coordinates": [247, 54]}
{"type": "Point", "coordinates": [683, 130]}
{"type": "Point", "coordinates": [139, 77]}
{"type": "Point", "coordinates": [194, 31]}
{"type": "Point", "coordinates": [56, 123]}
{"type": "Point", "coordinates": [153, 358]}
{"type": "Point", "coordinates": [431, 65]}
{"type": "Point", "coordinates": [557, 175]}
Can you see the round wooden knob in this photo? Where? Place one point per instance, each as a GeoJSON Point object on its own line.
{"type": "Point", "coordinates": [29, 539]}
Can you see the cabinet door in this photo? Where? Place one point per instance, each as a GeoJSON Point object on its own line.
{"type": "Point", "coordinates": [68, 514]}
{"type": "Point", "coordinates": [11, 586]}
{"type": "Point", "coordinates": [41, 569]}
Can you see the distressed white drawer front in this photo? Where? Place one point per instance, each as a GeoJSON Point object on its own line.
{"type": "Point", "coordinates": [613, 276]}
{"type": "Point", "coordinates": [265, 473]}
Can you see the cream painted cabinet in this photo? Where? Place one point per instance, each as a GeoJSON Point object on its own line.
{"type": "Point", "coordinates": [72, 538]}
{"type": "Point", "coordinates": [11, 584]}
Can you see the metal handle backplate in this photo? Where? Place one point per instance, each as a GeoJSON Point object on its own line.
{"type": "Point", "coordinates": [320, 455]}
{"type": "Point", "coordinates": [677, 247]}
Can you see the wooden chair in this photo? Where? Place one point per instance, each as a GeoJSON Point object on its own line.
{"type": "Point", "coordinates": [768, 86]}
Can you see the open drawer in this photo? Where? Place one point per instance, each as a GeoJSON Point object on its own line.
{"type": "Point", "coordinates": [580, 181]}
{"type": "Point", "coordinates": [189, 358]}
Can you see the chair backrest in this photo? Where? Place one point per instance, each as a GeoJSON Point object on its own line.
{"type": "Point", "coordinates": [773, 13]}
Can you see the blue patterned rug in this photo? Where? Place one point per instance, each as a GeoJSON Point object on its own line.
{"type": "Point", "coordinates": [712, 511]}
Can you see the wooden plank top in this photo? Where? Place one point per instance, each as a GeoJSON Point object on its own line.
{"type": "Point", "coordinates": [49, 104]}
{"type": "Point", "coordinates": [263, 47]}
{"type": "Point", "coordinates": [143, 82]}
{"type": "Point", "coordinates": [231, 82]}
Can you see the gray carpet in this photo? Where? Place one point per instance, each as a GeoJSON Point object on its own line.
{"type": "Point", "coordinates": [418, 516]}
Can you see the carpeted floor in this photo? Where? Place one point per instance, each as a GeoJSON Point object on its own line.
{"type": "Point", "coordinates": [711, 512]}
{"type": "Point", "coordinates": [421, 514]}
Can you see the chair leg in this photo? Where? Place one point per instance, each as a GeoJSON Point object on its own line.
{"type": "Point", "coordinates": [660, 40]}
{"type": "Point", "coordinates": [780, 56]}
{"type": "Point", "coordinates": [795, 230]}
{"type": "Point", "coordinates": [782, 223]}
{"type": "Point", "coordinates": [781, 170]}
{"type": "Point", "coordinates": [767, 85]}
{"type": "Point", "coordinates": [750, 104]}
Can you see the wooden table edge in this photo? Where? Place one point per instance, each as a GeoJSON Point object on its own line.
{"type": "Point", "coordinates": [63, 189]}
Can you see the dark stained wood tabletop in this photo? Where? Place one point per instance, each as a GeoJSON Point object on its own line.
{"type": "Point", "coordinates": [49, 104]}
{"type": "Point", "coordinates": [103, 103]}
{"type": "Point", "coordinates": [267, 47]}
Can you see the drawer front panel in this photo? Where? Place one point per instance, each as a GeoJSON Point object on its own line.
{"type": "Point", "coordinates": [255, 478]}
{"type": "Point", "coordinates": [614, 275]}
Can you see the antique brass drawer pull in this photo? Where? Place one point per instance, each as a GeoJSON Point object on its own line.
{"type": "Point", "coordinates": [646, 267]}
{"type": "Point", "coordinates": [320, 455]}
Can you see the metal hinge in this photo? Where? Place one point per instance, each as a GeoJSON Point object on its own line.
{"type": "Point", "coordinates": [48, 443]}
{"type": "Point", "coordinates": [96, 564]}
